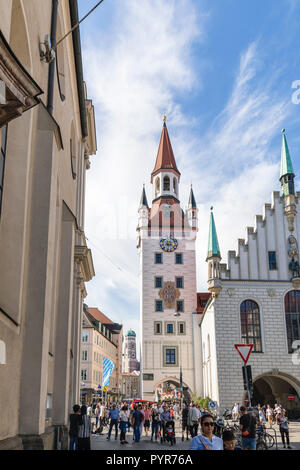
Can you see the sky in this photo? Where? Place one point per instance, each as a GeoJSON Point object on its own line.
{"type": "Point", "coordinates": [227, 75]}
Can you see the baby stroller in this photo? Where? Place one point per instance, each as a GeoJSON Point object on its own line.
{"type": "Point", "coordinates": [168, 433]}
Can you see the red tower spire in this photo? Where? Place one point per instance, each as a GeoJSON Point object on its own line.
{"type": "Point", "coordinates": [165, 159]}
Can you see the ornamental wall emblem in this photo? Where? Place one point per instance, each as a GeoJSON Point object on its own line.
{"type": "Point", "coordinates": [292, 247]}
{"type": "Point", "coordinates": [169, 293]}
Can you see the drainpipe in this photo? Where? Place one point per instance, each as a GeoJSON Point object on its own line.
{"type": "Point", "coordinates": [51, 73]}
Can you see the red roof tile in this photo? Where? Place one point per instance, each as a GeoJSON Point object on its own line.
{"type": "Point", "coordinates": [99, 316]}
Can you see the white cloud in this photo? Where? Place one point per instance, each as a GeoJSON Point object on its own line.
{"type": "Point", "coordinates": [135, 73]}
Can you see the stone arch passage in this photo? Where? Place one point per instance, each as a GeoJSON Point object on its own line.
{"type": "Point", "coordinates": [270, 388]}
{"type": "Point", "coordinates": [167, 385]}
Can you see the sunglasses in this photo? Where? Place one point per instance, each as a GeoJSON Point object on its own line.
{"type": "Point", "coordinates": [209, 424]}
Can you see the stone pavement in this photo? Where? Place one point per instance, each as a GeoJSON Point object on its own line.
{"type": "Point", "coordinates": [99, 442]}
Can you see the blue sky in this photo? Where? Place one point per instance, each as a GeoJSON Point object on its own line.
{"type": "Point", "coordinates": [222, 71]}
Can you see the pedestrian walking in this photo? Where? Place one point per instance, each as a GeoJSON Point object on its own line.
{"type": "Point", "coordinates": [140, 408]}
{"type": "Point", "coordinates": [193, 420]}
{"type": "Point", "coordinates": [248, 428]}
{"type": "Point", "coordinates": [75, 422]}
{"type": "Point", "coordinates": [235, 412]}
{"type": "Point", "coordinates": [101, 415]}
{"type": "Point", "coordinates": [114, 418]}
{"type": "Point", "coordinates": [137, 418]}
{"type": "Point", "coordinates": [147, 419]}
{"type": "Point", "coordinates": [207, 440]}
{"type": "Point", "coordinates": [184, 418]}
{"type": "Point", "coordinates": [97, 413]}
{"type": "Point", "coordinates": [124, 416]}
{"type": "Point", "coordinates": [277, 412]}
{"type": "Point", "coordinates": [261, 416]}
{"type": "Point", "coordinates": [85, 430]}
{"type": "Point", "coordinates": [269, 415]}
{"type": "Point", "coordinates": [155, 418]}
{"type": "Point", "coordinates": [284, 429]}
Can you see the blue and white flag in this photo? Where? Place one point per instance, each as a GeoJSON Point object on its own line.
{"type": "Point", "coordinates": [108, 367]}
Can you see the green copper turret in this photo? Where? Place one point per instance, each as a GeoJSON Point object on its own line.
{"type": "Point", "coordinates": [286, 171]}
{"type": "Point", "coordinates": [213, 244]}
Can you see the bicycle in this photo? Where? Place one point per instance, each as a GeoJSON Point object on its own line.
{"type": "Point", "coordinates": [260, 441]}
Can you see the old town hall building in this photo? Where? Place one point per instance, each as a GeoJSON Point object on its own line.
{"type": "Point", "coordinates": [253, 299]}
{"type": "Point", "coordinates": [166, 244]}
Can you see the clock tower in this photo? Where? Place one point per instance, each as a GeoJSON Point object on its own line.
{"type": "Point", "coordinates": [169, 320]}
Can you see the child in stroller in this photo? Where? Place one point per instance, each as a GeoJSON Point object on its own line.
{"type": "Point", "coordinates": [168, 432]}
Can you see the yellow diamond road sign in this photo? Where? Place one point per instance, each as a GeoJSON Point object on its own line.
{"type": "Point", "coordinates": [105, 388]}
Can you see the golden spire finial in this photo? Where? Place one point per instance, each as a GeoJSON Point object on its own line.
{"type": "Point", "coordinates": [165, 118]}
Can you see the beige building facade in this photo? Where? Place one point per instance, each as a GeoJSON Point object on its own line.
{"type": "Point", "coordinates": [47, 133]}
{"type": "Point", "coordinates": [101, 338]}
{"type": "Point", "coordinates": [131, 385]}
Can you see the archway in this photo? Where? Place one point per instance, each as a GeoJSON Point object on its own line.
{"type": "Point", "coordinates": [169, 389]}
{"type": "Point", "coordinates": [277, 387]}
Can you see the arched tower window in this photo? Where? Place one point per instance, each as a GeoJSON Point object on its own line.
{"type": "Point", "coordinates": [166, 183]}
{"type": "Point", "coordinates": [292, 318]}
{"type": "Point", "coordinates": [250, 324]}
{"type": "Point", "coordinates": [157, 186]}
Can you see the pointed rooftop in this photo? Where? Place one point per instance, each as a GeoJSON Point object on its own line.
{"type": "Point", "coordinates": [286, 162]}
{"type": "Point", "coordinates": [165, 159]}
{"type": "Point", "coordinates": [144, 201]}
{"type": "Point", "coordinates": [192, 201]}
{"type": "Point", "coordinates": [213, 244]}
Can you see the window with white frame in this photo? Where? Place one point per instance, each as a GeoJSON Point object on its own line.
{"type": "Point", "coordinates": [84, 355]}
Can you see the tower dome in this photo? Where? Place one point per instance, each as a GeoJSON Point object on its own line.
{"type": "Point", "coordinates": [131, 333]}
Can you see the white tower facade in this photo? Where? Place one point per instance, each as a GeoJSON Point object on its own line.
{"type": "Point", "coordinates": [170, 333]}
{"type": "Point", "coordinates": [130, 361]}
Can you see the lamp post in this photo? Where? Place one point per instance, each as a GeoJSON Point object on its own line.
{"type": "Point", "coordinates": [178, 314]}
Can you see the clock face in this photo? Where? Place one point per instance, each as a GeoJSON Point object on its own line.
{"type": "Point", "coordinates": [168, 244]}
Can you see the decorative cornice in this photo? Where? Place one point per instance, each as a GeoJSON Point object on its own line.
{"type": "Point", "coordinates": [83, 256]}
{"type": "Point", "coordinates": [21, 90]}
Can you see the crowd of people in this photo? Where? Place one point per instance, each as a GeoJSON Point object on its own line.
{"type": "Point", "coordinates": [151, 420]}
{"type": "Point", "coordinates": [264, 415]}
